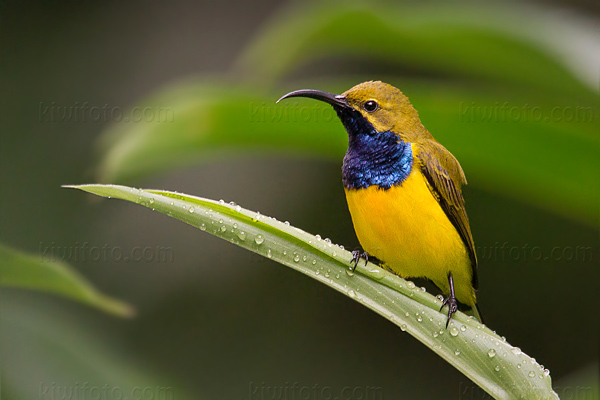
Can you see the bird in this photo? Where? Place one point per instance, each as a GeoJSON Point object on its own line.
{"type": "Point", "coordinates": [404, 192]}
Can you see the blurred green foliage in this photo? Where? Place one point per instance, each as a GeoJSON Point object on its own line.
{"type": "Point", "coordinates": [25, 271]}
{"type": "Point", "coordinates": [541, 147]}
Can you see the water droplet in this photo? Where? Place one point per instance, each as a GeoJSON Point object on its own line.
{"type": "Point", "coordinates": [410, 285]}
{"type": "Point", "coordinates": [403, 327]}
{"type": "Point", "coordinates": [314, 262]}
{"type": "Point", "coordinates": [419, 318]}
{"type": "Point", "coordinates": [453, 331]}
{"type": "Point", "coordinates": [546, 372]}
{"type": "Point", "coordinates": [457, 352]}
{"type": "Point", "coordinates": [423, 289]}
{"type": "Point", "coordinates": [318, 237]}
{"type": "Point", "coordinates": [436, 334]}
{"type": "Point", "coordinates": [304, 258]}
{"type": "Point", "coordinates": [497, 368]}
{"type": "Point", "coordinates": [238, 208]}
{"type": "Point", "coordinates": [296, 258]}
{"type": "Point", "coordinates": [531, 374]}
{"type": "Point", "coordinates": [440, 297]}
{"type": "Point", "coordinates": [285, 252]}
{"type": "Point", "coordinates": [349, 273]}
{"type": "Point", "coordinates": [203, 227]}
{"type": "Point", "coordinates": [463, 328]}
{"type": "Point", "coordinates": [223, 228]}
{"type": "Point", "coordinates": [221, 220]}
{"type": "Point", "coordinates": [259, 239]}
{"type": "Point", "coordinates": [341, 246]}
{"type": "Point", "coordinates": [241, 235]}
{"type": "Point", "coordinates": [351, 293]}
{"type": "Point", "coordinates": [515, 351]}
{"type": "Point", "coordinates": [376, 273]}
{"type": "Point", "coordinates": [269, 254]}
{"type": "Point", "coordinates": [334, 254]}
{"type": "Point", "coordinates": [151, 200]}
{"type": "Point", "coordinates": [337, 276]}
{"type": "Point", "coordinates": [191, 210]}
{"type": "Point", "coordinates": [287, 223]}
{"type": "Point", "coordinates": [492, 353]}
{"type": "Point", "coordinates": [171, 203]}
{"type": "Point", "coordinates": [327, 240]}
{"type": "Point", "coordinates": [221, 201]}
{"type": "Point", "coordinates": [518, 365]}
{"type": "Point", "coordinates": [235, 225]}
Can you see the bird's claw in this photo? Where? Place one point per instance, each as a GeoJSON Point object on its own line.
{"type": "Point", "coordinates": [452, 304]}
{"type": "Point", "coordinates": [356, 256]}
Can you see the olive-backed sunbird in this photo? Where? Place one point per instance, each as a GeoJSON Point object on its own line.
{"type": "Point", "coordinates": [403, 190]}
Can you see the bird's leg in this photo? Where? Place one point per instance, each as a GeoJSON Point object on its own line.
{"type": "Point", "coordinates": [450, 301]}
{"type": "Point", "coordinates": [356, 256]}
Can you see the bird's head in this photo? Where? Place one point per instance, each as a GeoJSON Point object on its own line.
{"type": "Point", "coordinates": [370, 108]}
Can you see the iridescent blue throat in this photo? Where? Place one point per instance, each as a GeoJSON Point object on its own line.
{"type": "Point", "coordinates": [373, 158]}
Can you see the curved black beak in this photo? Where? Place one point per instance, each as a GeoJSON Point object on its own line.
{"type": "Point", "coordinates": [333, 99]}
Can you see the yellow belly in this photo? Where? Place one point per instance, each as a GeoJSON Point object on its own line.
{"type": "Point", "coordinates": [407, 229]}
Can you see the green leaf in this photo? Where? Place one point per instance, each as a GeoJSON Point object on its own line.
{"type": "Point", "coordinates": [25, 271]}
{"type": "Point", "coordinates": [548, 164]}
{"type": "Point", "coordinates": [447, 40]}
{"type": "Point", "coordinates": [500, 369]}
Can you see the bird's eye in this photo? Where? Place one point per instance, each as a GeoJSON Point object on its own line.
{"type": "Point", "coordinates": [370, 106]}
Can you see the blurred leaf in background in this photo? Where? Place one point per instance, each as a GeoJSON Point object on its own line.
{"type": "Point", "coordinates": [46, 274]}
{"type": "Point", "coordinates": [521, 122]}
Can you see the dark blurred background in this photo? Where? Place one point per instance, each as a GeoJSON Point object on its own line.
{"type": "Point", "coordinates": [216, 321]}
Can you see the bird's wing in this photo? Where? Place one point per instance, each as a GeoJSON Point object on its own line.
{"type": "Point", "coordinates": [445, 178]}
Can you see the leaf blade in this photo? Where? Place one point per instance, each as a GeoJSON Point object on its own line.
{"type": "Point", "coordinates": [20, 270]}
{"type": "Point", "coordinates": [390, 296]}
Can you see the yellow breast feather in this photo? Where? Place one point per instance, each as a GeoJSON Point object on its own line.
{"type": "Point", "coordinates": [406, 228]}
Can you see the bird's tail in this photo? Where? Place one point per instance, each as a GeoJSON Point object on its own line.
{"type": "Point", "coordinates": [474, 311]}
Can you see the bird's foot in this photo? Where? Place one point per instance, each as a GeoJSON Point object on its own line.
{"type": "Point", "coordinates": [356, 256]}
{"type": "Point", "coordinates": [452, 304]}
